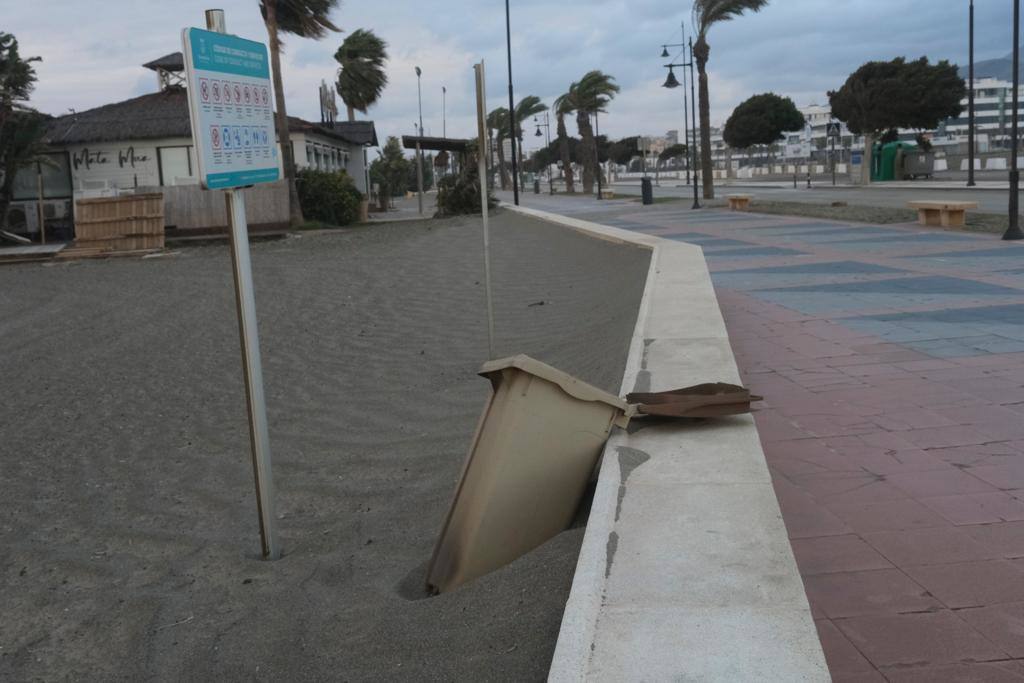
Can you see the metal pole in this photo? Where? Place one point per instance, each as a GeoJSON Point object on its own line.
{"type": "Point", "coordinates": [833, 160]}
{"type": "Point", "coordinates": [547, 136]}
{"type": "Point", "coordinates": [597, 155]}
{"type": "Point", "coordinates": [259, 433]}
{"type": "Point", "coordinates": [481, 124]}
{"type": "Point", "coordinates": [511, 108]}
{"type": "Point", "coordinates": [693, 112]}
{"type": "Point", "coordinates": [419, 148]}
{"type": "Point", "coordinates": [252, 367]}
{"type": "Point", "coordinates": [686, 112]}
{"type": "Point", "coordinates": [39, 204]}
{"type": "Point", "coordinates": [970, 101]}
{"type": "Point", "coordinates": [1013, 232]}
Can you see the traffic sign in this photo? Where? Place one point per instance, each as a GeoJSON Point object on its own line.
{"type": "Point", "coordinates": [833, 129]}
{"type": "Point", "coordinates": [225, 154]}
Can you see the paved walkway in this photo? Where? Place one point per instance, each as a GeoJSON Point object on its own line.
{"type": "Point", "coordinates": [892, 362]}
{"type": "Point", "coordinates": [893, 195]}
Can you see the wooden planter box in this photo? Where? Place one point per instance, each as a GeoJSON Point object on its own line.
{"type": "Point", "coordinates": [126, 223]}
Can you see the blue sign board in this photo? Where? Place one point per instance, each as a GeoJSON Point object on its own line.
{"type": "Point", "coordinates": [231, 107]}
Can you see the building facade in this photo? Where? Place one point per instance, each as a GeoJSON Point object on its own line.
{"type": "Point", "coordinates": [146, 142]}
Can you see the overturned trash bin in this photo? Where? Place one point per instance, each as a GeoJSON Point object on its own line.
{"type": "Point", "coordinates": [535, 449]}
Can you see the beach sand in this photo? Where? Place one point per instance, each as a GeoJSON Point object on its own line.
{"type": "Point", "coordinates": [128, 525]}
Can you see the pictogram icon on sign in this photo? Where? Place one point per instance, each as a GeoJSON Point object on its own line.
{"type": "Point", "coordinates": [266, 96]}
{"type": "Point", "coordinates": [216, 91]}
{"type": "Point", "coordinates": [215, 136]}
{"type": "Point", "coordinates": [248, 95]}
{"type": "Point", "coordinates": [238, 94]}
{"type": "Point", "coordinates": [204, 89]}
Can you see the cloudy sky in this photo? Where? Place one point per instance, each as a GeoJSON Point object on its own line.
{"type": "Point", "coordinates": [801, 48]}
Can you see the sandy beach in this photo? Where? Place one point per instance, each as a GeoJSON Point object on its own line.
{"type": "Point", "coordinates": [129, 525]}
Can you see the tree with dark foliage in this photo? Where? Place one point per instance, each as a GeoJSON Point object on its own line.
{"type": "Point", "coordinates": [881, 97]}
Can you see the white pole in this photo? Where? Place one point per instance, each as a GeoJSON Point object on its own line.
{"type": "Point", "coordinates": [245, 299]}
{"type": "Point", "coordinates": [481, 125]}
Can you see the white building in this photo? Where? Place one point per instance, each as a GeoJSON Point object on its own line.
{"type": "Point", "coordinates": [146, 141]}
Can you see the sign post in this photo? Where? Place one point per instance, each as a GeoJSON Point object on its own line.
{"type": "Point", "coordinates": [233, 132]}
{"type": "Point", "coordinates": [481, 123]}
{"type": "Point", "coordinates": [833, 133]}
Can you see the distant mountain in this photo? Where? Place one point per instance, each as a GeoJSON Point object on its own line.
{"type": "Point", "coordinates": [1001, 68]}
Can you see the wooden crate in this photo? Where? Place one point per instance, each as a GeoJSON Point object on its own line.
{"type": "Point", "coordinates": [124, 223]}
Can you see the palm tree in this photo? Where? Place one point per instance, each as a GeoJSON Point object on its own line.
{"type": "Point", "coordinates": [591, 94]}
{"type": "Point", "coordinates": [707, 13]}
{"type": "Point", "coordinates": [306, 19]}
{"type": "Point", "coordinates": [527, 107]}
{"type": "Point", "coordinates": [498, 120]}
{"type": "Point", "coordinates": [361, 78]}
{"type": "Point", "coordinates": [565, 105]}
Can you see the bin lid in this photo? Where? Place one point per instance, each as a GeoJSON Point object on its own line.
{"type": "Point", "coordinates": [569, 384]}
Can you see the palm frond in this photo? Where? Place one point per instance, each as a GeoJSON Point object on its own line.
{"type": "Point", "coordinates": [361, 77]}
{"type": "Point", "coordinates": [707, 13]}
{"type": "Point", "coordinates": [304, 18]}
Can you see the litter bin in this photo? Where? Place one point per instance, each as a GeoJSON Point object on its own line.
{"type": "Point", "coordinates": [536, 186]}
{"type": "Point", "coordinates": [886, 157]}
{"type": "Point", "coordinates": [536, 447]}
{"type": "Point", "coordinates": [646, 190]}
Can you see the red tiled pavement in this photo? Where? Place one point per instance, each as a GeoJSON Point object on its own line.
{"type": "Point", "coordinates": [901, 480]}
{"type": "Point", "coordinates": [898, 466]}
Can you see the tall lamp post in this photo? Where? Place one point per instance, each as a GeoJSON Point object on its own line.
{"type": "Point", "coordinates": [444, 123]}
{"type": "Point", "coordinates": [597, 153]}
{"type": "Point", "coordinates": [547, 136]}
{"type": "Point", "coordinates": [970, 99]}
{"type": "Point", "coordinates": [686, 107]}
{"type": "Point", "coordinates": [1013, 232]}
{"type": "Point", "coordinates": [511, 108]}
{"type": "Point", "coordinates": [419, 148]}
{"type": "Point", "coordinates": [672, 82]}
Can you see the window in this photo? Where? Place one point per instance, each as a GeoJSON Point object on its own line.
{"type": "Point", "coordinates": [175, 163]}
{"type": "Point", "coordinates": [56, 174]}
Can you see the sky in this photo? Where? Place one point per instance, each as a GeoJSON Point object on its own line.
{"type": "Point", "coordinates": [92, 51]}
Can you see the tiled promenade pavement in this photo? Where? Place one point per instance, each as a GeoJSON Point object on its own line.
{"type": "Point", "coordinates": [892, 362]}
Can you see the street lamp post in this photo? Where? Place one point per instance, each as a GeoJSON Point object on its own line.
{"type": "Point", "coordinates": [1013, 232]}
{"type": "Point", "coordinates": [511, 108]}
{"type": "Point", "coordinates": [419, 147]}
{"type": "Point", "coordinates": [970, 100]}
{"type": "Point", "coordinates": [547, 136]}
{"type": "Point", "coordinates": [672, 82]}
{"type": "Point", "coordinates": [597, 154]}
{"type": "Point", "coordinates": [686, 106]}
{"type": "Point", "coordinates": [444, 123]}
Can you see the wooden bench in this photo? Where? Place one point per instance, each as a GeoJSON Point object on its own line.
{"type": "Point", "coordinates": [739, 202]}
{"type": "Point", "coordinates": [944, 214]}
{"type": "Point", "coordinates": [607, 194]}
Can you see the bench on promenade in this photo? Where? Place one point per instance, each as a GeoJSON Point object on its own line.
{"type": "Point", "coordinates": [739, 202]}
{"type": "Point", "coordinates": [944, 214]}
{"type": "Point", "coordinates": [607, 194]}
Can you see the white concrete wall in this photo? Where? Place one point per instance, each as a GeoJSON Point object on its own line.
{"type": "Point", "coordinates": [119, 165]}
{"type": "Point", "coordinates": [686, 572]}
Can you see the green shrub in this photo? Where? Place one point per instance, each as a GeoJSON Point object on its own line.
{"type": "Point", "coordinates": [330, 198]}
{"type": "Point", "coordinates": [460, 194]}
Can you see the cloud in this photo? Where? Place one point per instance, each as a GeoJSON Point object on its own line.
{"type": "Point", "coordinates": [798, 48]}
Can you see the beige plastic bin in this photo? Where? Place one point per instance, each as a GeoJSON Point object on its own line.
{"type": "Point", "coordinates": [535, 449]}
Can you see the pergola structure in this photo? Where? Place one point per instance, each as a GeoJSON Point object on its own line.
{"type": "Point", "coordinates": [452, 145]}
